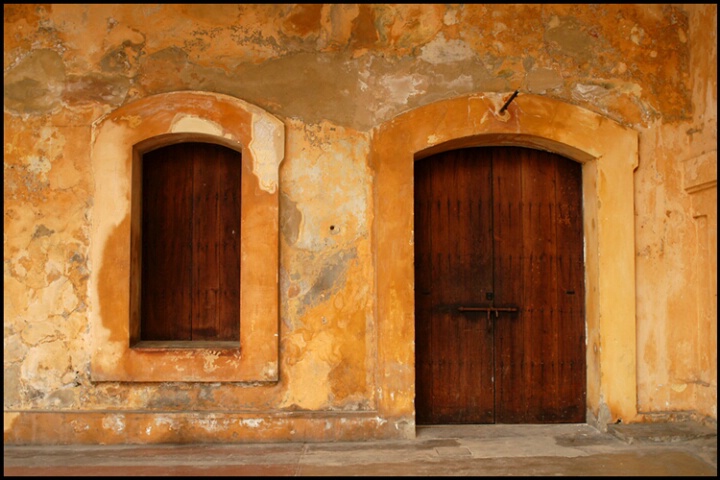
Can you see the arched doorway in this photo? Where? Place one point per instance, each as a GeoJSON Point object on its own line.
{"type": "Point", "coordinates": [608, 154]}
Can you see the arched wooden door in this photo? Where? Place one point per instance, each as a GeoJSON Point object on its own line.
{"type": "Point", "coordinates": [499, 287]}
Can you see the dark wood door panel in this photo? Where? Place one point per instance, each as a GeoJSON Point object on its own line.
{"type": "Point", "coordinates": [455, 352]}
{"type": "Point", "coordinates": [508, 253]}
{"type": "Point", "coordinates": [529, 385]}
{"type": "Point", "coordinates": [191, 243]}
{"type": "Point", "coordinates": [499, 227]}
{"type": "Point", "coordinates": [571, 406]}
{"type": "Point", "coordinates": [166, 246]}
{"type": "Point", "coordinates": [216, 240]}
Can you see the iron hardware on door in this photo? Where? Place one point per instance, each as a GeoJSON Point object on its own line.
{"type": "Point", "coordinates": [489, 310]}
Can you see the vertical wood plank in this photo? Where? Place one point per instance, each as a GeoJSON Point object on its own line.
{"type": "Point", "coordinates": [423, 210]}
{"type": "Point", "coordinates": [166, 245]}
{"type": "Point", "coordinates": [216, 241]}
{"type": "Point", "coordinates": [544, 285]}
{"type": "Point", "coordinates": [509, 260]}
{"type": "Point", "coordinates": [230, 246]}
{"type": "Point", "coordinates": [539, 390]}
{"type": "Point", "coordinates": [570, 293]}
{"type": "Point", "coordinates": [458, 353]}
{"type": "Point", "coordinates": [538, 271]}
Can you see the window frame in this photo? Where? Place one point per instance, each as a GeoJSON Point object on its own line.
{"type": "Point", "coordinates": [119, 140]}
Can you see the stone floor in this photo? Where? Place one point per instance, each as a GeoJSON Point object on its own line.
{"type": "Point", "coordinates": [675, 449]}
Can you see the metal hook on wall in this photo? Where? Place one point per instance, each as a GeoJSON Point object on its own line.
{"type": "Point", "coordinates": [504, 107]}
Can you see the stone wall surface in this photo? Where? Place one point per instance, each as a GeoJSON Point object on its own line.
{"type": "Point", "coordinates": [334, 74]}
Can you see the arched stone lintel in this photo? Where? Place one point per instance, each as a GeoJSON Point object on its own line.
{"type": "Point", "coordinates": [507, 140]}
{"type": "Point", "coordinates": [609, 154]}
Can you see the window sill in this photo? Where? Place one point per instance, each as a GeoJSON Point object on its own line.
{"type": "Point", "coordinates": [152, 346]}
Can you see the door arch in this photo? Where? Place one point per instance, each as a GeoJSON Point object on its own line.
{"type": "Point", "coordinates": [608, 153]}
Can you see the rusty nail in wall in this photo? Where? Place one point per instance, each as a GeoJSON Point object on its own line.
{"type": "Point", "coordinates": [504, 107]}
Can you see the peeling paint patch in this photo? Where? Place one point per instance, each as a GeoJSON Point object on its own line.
{"type": "Point", "coordinates": [397, 90]}
{"type": "Point", "coordinates": [252, 422]}
{"type": "Point", "coordinates": [290, 219]}
{"type": "Point", "coordinates": [450, 18]}
{"type": "Point", "coordinates": [267, 151]}
{"type": "Point", "coordinates": [38, 165]}
{"type": "Point", "coordinates": [209, 424]}
{"type": "Point", "coordinates": [464, 82]}
{"type": "Point", "coordinates": [210, 359]}
{"type": "Point", "coordinates": [190, 123]}
{"type": "Point", "coordinates": [42, 231]}
{"type": "Point", "coordinates": [637, 34]}
{"type": "Point", "coordinates": [132, 120]}
{"type": "Point", "coordinates": [270, 370]}
{"type": "Point", "coordinates": [115, 423]}
{"type": "Point", "coordinates": [589, 92]}
{"type": "Point", "coordinates": [569, 37]}
{"type": "Point", "coordinates": [35, 83]}
{"type": "Point", "coordinates": [441, 50]}
{"type": "Point", "coordinates": [164, 421]}
{"type": "Point", "coordinates": [332, 276]}
{"type": "Point", "coordinates": [9, 420]}
{"type": "Point", "coordinates": [543, 79]}
{"type": "Point", "coordinates": [79, 426]}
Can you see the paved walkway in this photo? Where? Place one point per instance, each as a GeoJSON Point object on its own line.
{"type": "Point", "coordinates": [479, 450]}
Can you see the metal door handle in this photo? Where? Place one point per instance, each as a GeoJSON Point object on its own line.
{"type": "Point", "coordinates": [496, 310]}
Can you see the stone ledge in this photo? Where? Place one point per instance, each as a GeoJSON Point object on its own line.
{"type": "Point", "coordinates": [661, 431]}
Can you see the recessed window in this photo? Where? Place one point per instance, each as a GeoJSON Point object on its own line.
{"type": "Point", "coordinates": [185, 255]}
{"type": "Point", "coordinates": [190, 230]}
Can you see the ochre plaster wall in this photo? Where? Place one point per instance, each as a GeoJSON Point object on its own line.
{"type": "Point", "coordinates": [337, 76]}
{"type": "Point", "coordinates": [676, 227]}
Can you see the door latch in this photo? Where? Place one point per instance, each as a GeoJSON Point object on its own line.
{"type": "Point", "coordinates": [489, 310]}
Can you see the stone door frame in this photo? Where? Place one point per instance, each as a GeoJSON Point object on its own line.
{"type": "Point", "coordinates": [608, 153]}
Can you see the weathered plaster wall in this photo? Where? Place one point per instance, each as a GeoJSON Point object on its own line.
{"type": "Point", "coordinates": [333, 73]}
{"type": "Point", "coordinates": [676, 207]}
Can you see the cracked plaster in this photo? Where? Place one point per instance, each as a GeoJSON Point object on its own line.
{"type": "Point", "coordinates": [332, 74]}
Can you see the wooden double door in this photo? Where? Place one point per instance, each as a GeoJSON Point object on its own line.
{"type": "Point", "coordinates": [499, 288]}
